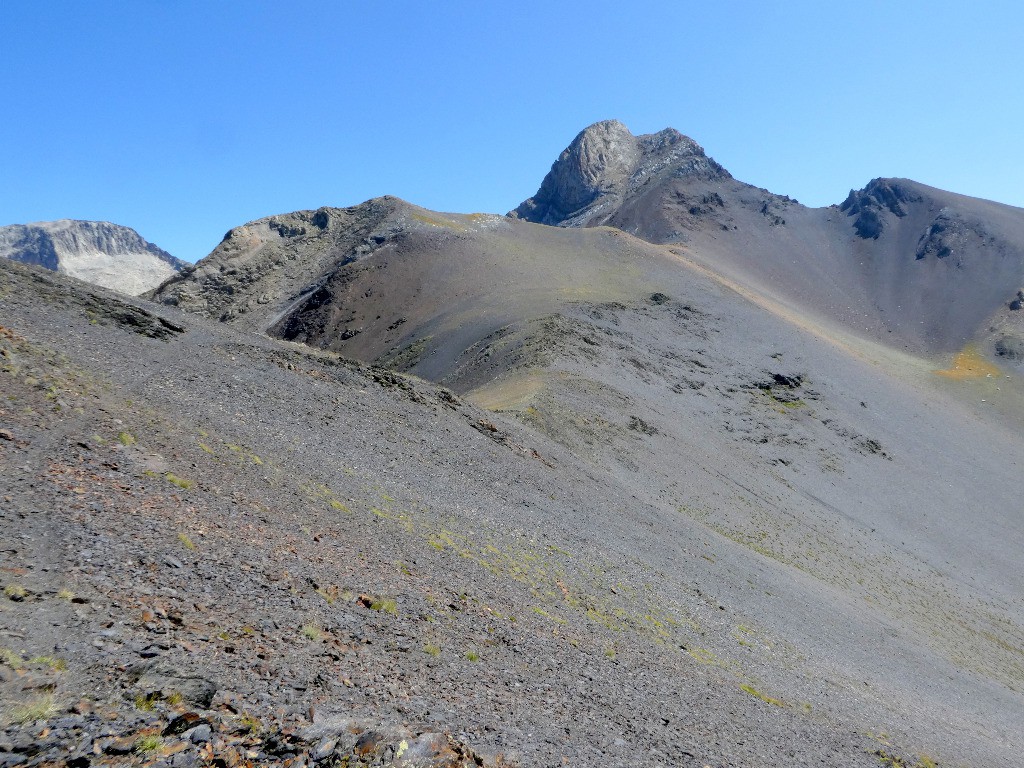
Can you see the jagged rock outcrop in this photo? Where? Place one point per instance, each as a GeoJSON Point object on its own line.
{"type": "Point", "coordinates": [604, 164]}
{"type": "Point", "coordinates": [262, 268]}
{"type": "Point", "coordinates": [898, 261]}
{"type": "Point", "coordinates": [870, 204]}
{"type": "Point", "coordinates": [97, 252]}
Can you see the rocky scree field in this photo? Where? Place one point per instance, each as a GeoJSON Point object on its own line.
{"type": "Point", "coordinates": [230, 549]}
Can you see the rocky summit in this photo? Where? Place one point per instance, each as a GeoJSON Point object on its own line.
{"type": "Point", "coordinates": [604, 165]}
{"type": "Point", "coordinates": [661, 469]}
{"type": "Point", "coordinates": [98, 252]}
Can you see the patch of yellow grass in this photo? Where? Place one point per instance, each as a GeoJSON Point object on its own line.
{"type": "Point", "coordinates": [763, 697]}
{"type": "Point", "coordinates": [510, 394]}
{"type": "Point", "coordinates": [969, 364]}
{"type": "Point", "coordinates": [437, 221]}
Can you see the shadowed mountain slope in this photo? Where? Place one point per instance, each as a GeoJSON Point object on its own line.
{"type": "Point", "coordinates": [898, 261]}
{"type": "Point", "coordinates": [97, 252]}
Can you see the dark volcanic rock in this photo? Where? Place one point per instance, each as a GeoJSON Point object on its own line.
{"type": "Point", "coordinates": [658, 543]}
{"type": "Point", "coordinates": [869, 205]}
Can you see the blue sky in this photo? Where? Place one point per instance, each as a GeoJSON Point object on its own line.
{"type": "Point", "coordinates": [183, 119]}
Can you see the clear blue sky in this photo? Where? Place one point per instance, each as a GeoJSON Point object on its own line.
{"type": "Point", "coordinates": [183, 119]}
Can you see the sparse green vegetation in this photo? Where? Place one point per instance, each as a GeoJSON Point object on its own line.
{"type": "Point", "coordinates": [472, 656]}
{"type": "Point", "coordinates": [704, 656]}
{"type": "Point", "coordinates": [11, 659]}
{"type": "Point", "coordinates": [385, 604]}
{"type": "Point", "coordinates": [311, 632]}
{"type": "Point", "coordinates": [250, 723]}
{"type": "Point", "coordinates": [186, 541]}
{"type": "Point", "coordinates": [126, 438]}
{"type": "Point", "coordinates": [147, 702]}
{"type": "Point", "coordinates": [147, 744]}
{"type": "Point", "coordinates": [57, 665]}
{"type": "Point", "coordinates": [181, 482]}
{"type": "Point", "coordinates": [763, 697]}
{"type": "Point", "coordinates": [41, 708]}
{"type": "Point", "coordinates": [15, 592]}
{"type": "Point", "coordinates": [432, 650]}
{"type": "Point", "coordinates": [66, 594]}
{"type": "Point", "coordinates": [541, 612]}
{"type": "Point", "coordinates": [437, 221]}
{"type": "Point", "coordinates": [329, 593]}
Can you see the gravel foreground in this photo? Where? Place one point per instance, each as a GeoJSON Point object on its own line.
{"type": "Point", "coordinates": [220, 549]}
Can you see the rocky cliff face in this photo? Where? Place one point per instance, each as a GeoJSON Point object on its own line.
{"type": "Point", "coordinates": [97, 252]}
{"type": "Point", "coordinates": [604, 164]}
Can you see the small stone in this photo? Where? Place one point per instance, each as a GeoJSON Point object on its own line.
{"type": "Point", "coordinates": [185, 759]}
{"type": "Point", "coordinates": [183, 723]}
{"type": "Point", "coordinates": [119, 746]}
{"type": "Point", "coordinates": [325, 748]}
{"type": "Point", "coordinates": [200, 734]}
{"type": "Point", "coordinates": [197, 691]}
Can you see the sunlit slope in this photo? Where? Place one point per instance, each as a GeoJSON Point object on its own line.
{"type": "Point", "coordinates": [910, 265]}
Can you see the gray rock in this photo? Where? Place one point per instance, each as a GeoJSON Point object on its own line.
{"type": "Point", "coordinates": [98, 252]}
{"type": "Point", "coordinates": [185, 759]}
{"type": "Point", "coordinates": [325, 748]}
{"type": "Point", "coordinates": [602, 164]}
{"type": "Point", "coordinates": [197, 691]}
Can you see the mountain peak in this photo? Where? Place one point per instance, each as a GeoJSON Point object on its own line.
{"type": "Point", "coordinates": [603, 163]}
{"type": "Point", "coordinates": [99, 252]}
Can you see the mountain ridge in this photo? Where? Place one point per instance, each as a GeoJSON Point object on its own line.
{"type": "Point", "coordinates": [909, 264]}
{"type": "Point", "coordinates": [98, 252]}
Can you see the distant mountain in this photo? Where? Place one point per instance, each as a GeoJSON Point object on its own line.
{"type": "Point", "coordinates": [911, 265]}
{"type": "Point", "coordinates": [97, 252]}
